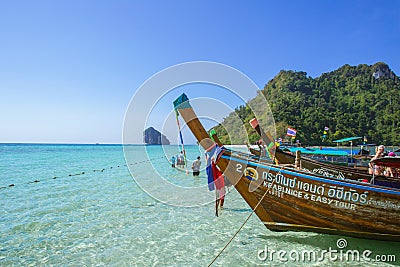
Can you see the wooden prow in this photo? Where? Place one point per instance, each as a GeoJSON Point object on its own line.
{"type": "Point", "coordinates": [182, 106]}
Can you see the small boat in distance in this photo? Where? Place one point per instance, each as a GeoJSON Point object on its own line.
{"type": "Point", "coordinates": [287, 198]}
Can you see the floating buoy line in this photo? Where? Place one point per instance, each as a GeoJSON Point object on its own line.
{"type": "Point", "coordinates": [82, 173]}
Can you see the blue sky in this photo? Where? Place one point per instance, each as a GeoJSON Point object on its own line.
{"type": "Point", "coordinates": [68, 69]}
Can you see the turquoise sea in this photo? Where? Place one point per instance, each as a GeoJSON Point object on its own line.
{"type": "Point", "coordinates": [79, 205]}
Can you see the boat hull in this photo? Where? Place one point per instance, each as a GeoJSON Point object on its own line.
{"type": "Point", "coordinates": [298, 201]}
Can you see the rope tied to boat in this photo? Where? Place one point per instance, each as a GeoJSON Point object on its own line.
{"type": "Point", "coordinates": [244, 223]}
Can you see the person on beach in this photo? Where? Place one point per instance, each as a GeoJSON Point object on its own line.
{"type": "Point", "coordinates": [173, 161]}
{"type": "Point", "coordinates": [374, 169]}
{"type": "Point", "coordinates": [261, 145]}
{"type": "Point", "coordinates": [181, 160]}
{"type": "Point", "coordinates": [391, 171]}
{"type": "Point", "coordinates": [196, 166]}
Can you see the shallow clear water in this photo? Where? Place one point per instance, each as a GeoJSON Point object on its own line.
{"type": "Point", "coordinates": [86, 209]}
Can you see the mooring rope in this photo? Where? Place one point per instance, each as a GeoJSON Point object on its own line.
{"type": "Point", "coordinates": [83, 172]}
{"type": "Point", "coordinates": [243, 224]}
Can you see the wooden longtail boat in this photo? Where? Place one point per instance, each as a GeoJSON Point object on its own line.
{"type": "Point", "coordinates": [289, 199]}
{"type": "Point", "coordinates": [324, 168]}
{"type": "Point", "coordinates": [388, 162]}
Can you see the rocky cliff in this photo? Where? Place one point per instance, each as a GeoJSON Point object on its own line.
{"type": "Point", "coordinates": [153, 137]}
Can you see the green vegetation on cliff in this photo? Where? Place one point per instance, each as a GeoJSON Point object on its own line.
{"type": "Point", "coordinates": [358, 100]}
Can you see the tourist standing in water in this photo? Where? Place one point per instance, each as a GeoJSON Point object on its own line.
{"type": "Point", "coordinates": [196, 166]}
